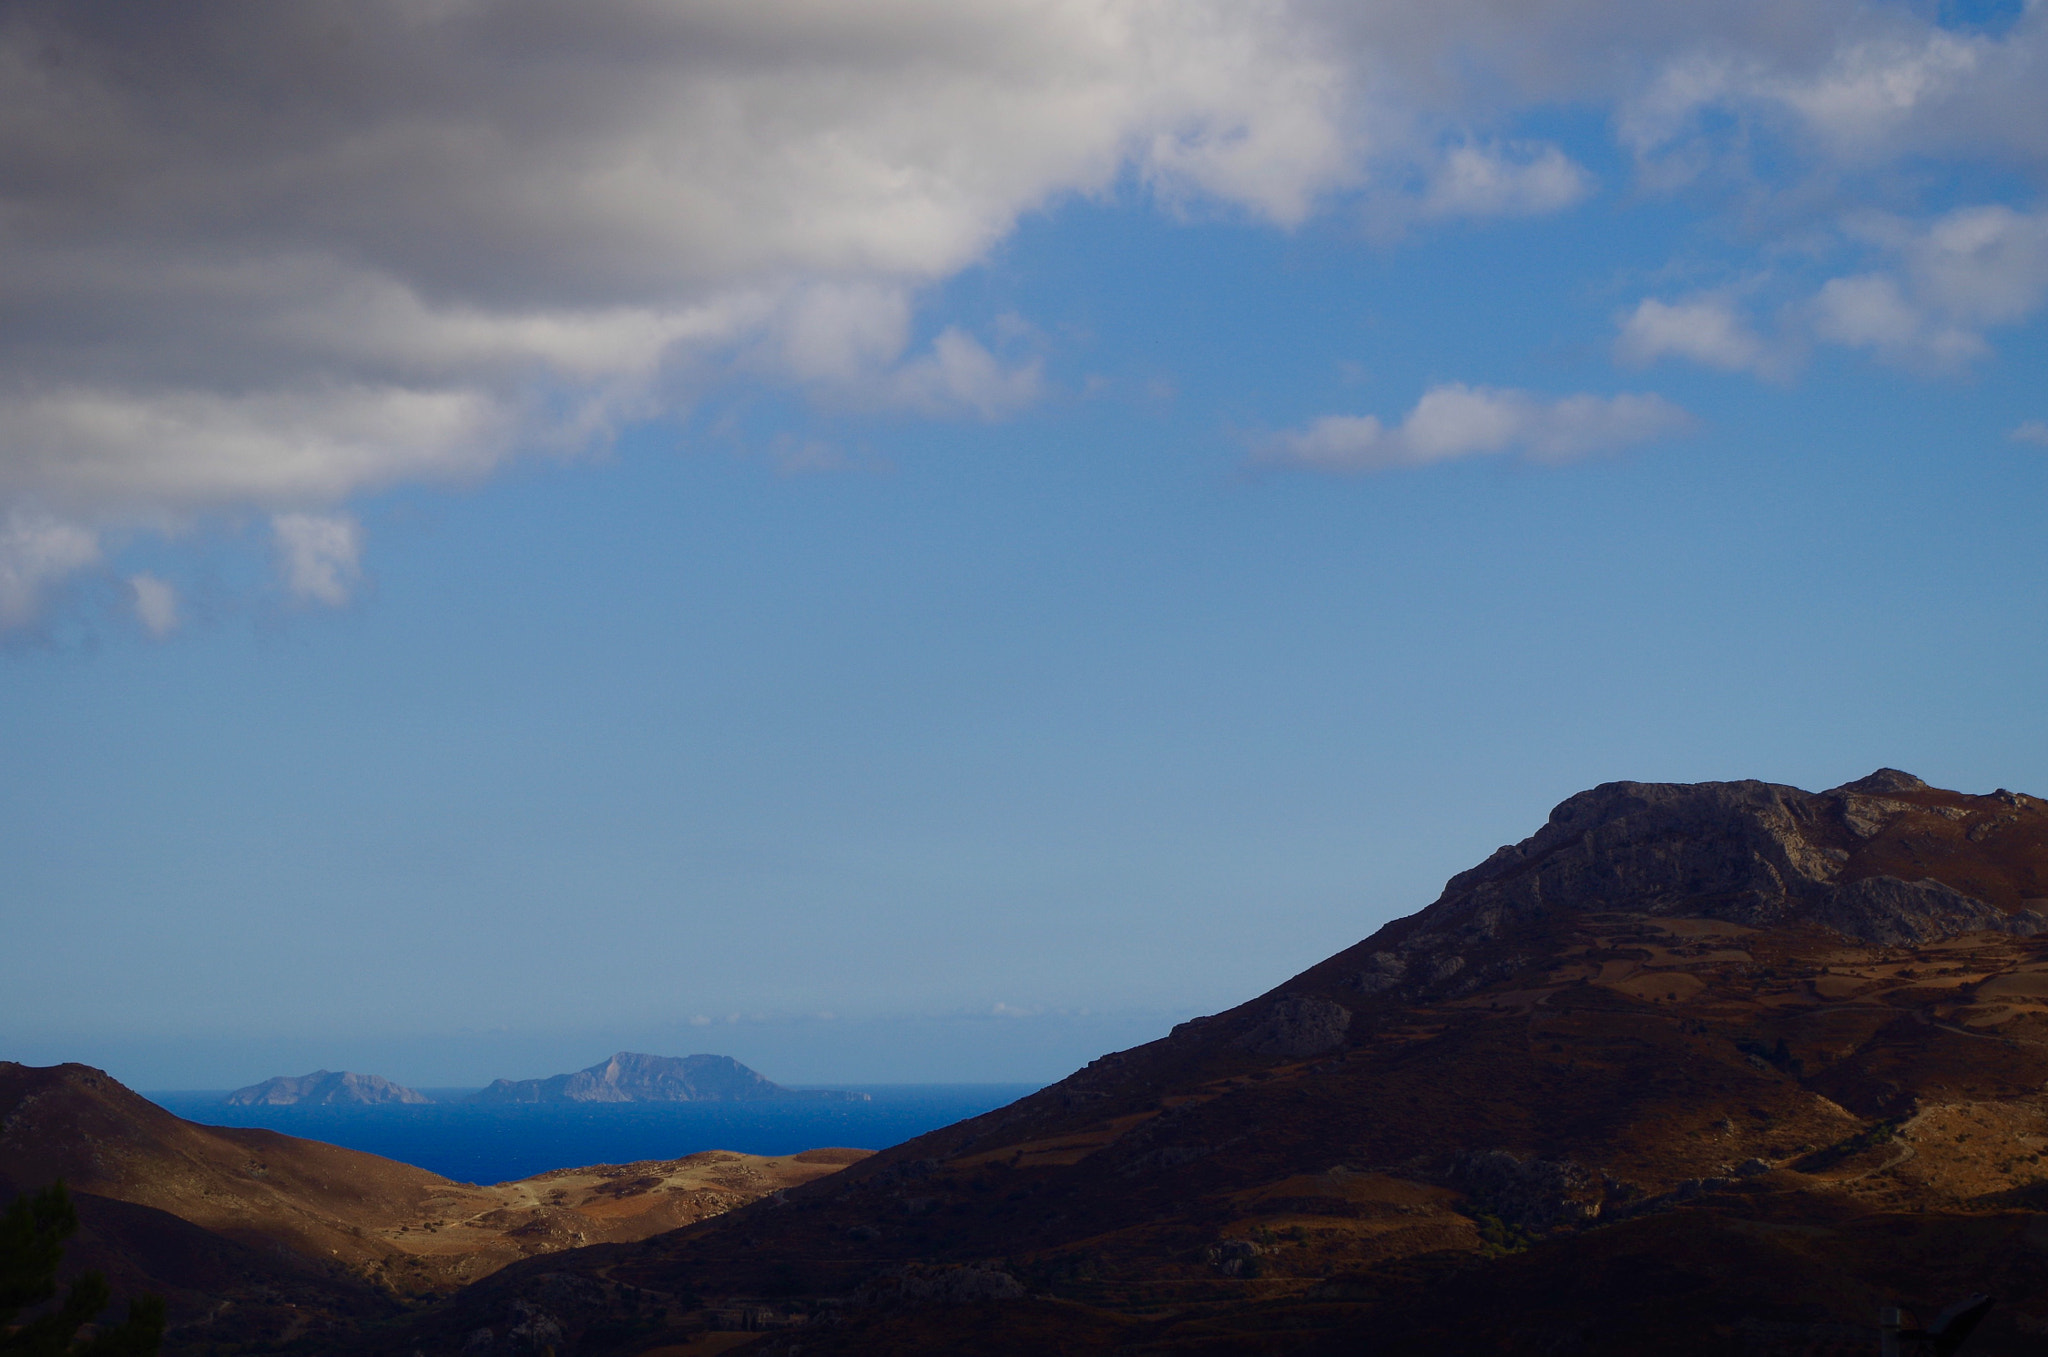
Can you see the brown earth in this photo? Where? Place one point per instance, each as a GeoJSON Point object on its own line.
{"type": "Point", "coordinates": [1695, 1069]}
{"type": "Point", "coordinates": [257, 1236]}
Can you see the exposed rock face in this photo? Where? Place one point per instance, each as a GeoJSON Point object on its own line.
{"type": "Point", "coordinates": [1383, 971]}
{"type": "Point", "coordinates": [1752, 853]}
{"type": "Point", "coordinates": [324, 1088]}
{"type": "Point", "coordinates": [631, 1078]}
{"type": "Point", "coordinates": [1884, 911]}
{"type": "Point", "coordinates": [1534, 1194]}
{"type": "Point", "coordinates": [1731, 850]}
{"type": "Point", "coordinates": [914, 1284]}
{"type": "Point", "coordinates": [1298, 1025]}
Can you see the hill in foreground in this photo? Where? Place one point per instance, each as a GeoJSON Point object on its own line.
{"type": "Point", "coordinates": [325, 1088]}
{"type": "Point", "coordinates": [259, 1239]}
{"type": "Point", "coordinates": [629, 1077]}
{"type": "Point", "coordinates": [1717, 1068]}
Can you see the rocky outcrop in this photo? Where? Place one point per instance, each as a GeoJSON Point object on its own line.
{"type": "Point", "coordinates": [1298, 1025]}
{"type": "Point", "coordinates": [1753, 853]}
{"type": "Point", "coordinates": [1234, 1257]}
{"type": "Point", "coordinates": [1538, 1195]}
{"type": "Point", "coordinates": [324, 1088]}
{"type": "Point", "coordinates": [629, 1077]}
{"type": "Point", "coordinates": [1730, 850]}
{"type": "Point", "coordinates": [1883, 911]}
{"type": "Point", "coordinates": [923, 1284]}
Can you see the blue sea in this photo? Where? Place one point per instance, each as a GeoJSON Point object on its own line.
{"type": "Point", "coordinates": [495, 1142]}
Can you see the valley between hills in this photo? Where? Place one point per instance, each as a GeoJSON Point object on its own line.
{"type": "Point", "coordinates": [1714, 1068]}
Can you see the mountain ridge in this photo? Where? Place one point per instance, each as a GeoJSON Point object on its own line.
{"type": "Point", "coordinates": [1695, 1068]}
{"type": "Point", "coordinates": [1752, 853]}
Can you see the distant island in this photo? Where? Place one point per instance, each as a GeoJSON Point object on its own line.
{"type": "Point", "coordinates": [629, 1077]}
{"type": "Point", "coordinates": [324, 1088]}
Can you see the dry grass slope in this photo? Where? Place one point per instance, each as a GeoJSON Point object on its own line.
{"type": "Point", "coordinates": [257, 1235]}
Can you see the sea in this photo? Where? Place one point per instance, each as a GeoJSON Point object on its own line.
{"type": "Point", "coordinates": [499, 1142]}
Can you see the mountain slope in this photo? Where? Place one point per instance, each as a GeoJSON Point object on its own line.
{"type": "Point", "coordinates": [1711, 1068]}
{"type": "Point", "coordinates": [76, 1123]}
{"type": "Point", "coordinates": [292, 1233]}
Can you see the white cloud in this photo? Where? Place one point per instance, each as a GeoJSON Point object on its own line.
{"type": "Point", "coordinates": [1963, 273]}
{"type": "Point", "coordinates": [1867, 89]}
{"type": "Point", "coordinates": [319, 555]}
{"type": "Point", "coordinates": [156, 604]}
{"type": "Point", "coordinates": [1853, 89]}
{"type": "Point", "coordinates": [1867, 310]}
{"type": "Point", "coordinates": [1454, 421]}
{"type": "Point", "coordinates": [1516, 180]}
{"type": "Point", "coordinates": [117, 448]}
{"type": "Point", "coordinates": [1704, 329]}
{"type": "Point", "coordinates": [1870, 311]}
{"type": "Point", "coordinates": [1940, 286]}
{"type": "Point", "coordinates": [849, 340]}
{"type": "Point", "coordinates": [37, 551]}
{"type": "Point", "coordinates": [960, 374]}
{"type": "Point", "coordinates": [1985, 265]}
{"type": "Point", "coordinates": [841, 332]}
{"type": "Point", "coordinates": [2032, 431]}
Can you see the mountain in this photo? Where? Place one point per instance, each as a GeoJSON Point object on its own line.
{"type": "Point", "coordinates": [631, 1078]}
{"type": "Point", "coordinates": [1695, 1069]}
{"type": "Point", "coordinates": [257, 1237]}
{"type": "Point", "coordinates": [326, 1088]}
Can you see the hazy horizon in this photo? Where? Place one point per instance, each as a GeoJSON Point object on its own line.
{"type": "Point", "coordinates": [927, 1049]}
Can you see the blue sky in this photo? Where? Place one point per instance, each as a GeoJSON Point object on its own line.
{"type": "Point", "coordinates": [926, 546]}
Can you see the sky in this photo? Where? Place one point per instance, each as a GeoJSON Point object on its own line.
{"type": "Point", "coordinates": [933, 539]}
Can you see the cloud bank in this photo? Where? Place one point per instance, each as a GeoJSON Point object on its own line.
{"type": "Point", "coordinates": [283, 254]}
{"type": "Point", "coordinates": [270, 257]}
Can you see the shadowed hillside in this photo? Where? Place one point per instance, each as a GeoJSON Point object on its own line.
{"type": "Point", "coordinates": [259, 1237]}
{"type": "Point", "coordinates": [1720, 1068]}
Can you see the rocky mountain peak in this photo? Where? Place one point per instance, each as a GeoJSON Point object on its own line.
{"type": "Point", "coordinates": [1886, 860]}
{"type": "Point", "coordinates": [1885, 780]}
{"type": "Point", "coordinates": [1724, 849]}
